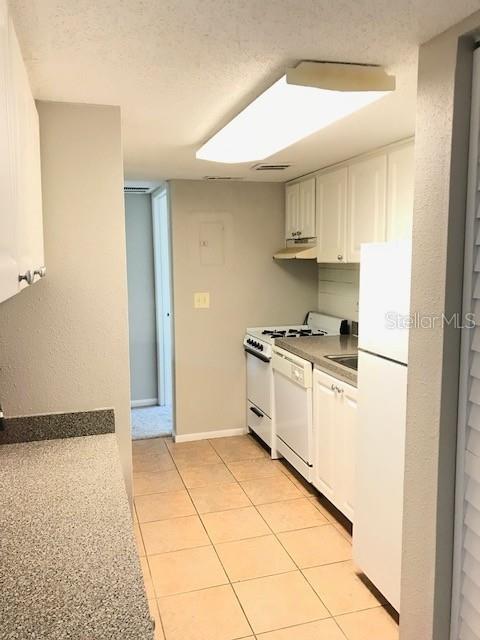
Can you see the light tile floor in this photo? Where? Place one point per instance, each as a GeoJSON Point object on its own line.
{"type": "Point", "coordinates": [234, 545]}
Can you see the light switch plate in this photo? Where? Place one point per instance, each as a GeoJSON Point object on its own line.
{"type": "Point", "coordinates": [201, 300]}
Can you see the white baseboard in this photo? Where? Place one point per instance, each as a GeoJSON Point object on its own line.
{"type": "Point", "coordinates": [149, 402]}
{"type": "Point", "coordinates": [206, 435]}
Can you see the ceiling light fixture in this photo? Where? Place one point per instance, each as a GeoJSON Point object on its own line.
{"type": "Point", "coordinates": [308, 98]}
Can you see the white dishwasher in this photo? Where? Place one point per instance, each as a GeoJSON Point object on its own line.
{"type": "Point", "coordinates": [293, 419]}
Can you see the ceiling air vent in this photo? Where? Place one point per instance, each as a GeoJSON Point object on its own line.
{"type": "Point", "coordinates": [137, 189]}
{"type": "Point", "coordinates": [262, 166]}
{"type": "Point", "coordinates": [222, 178]}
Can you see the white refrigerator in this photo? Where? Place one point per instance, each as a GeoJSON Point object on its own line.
{"type": "Point", "coordinates": [384, 308]}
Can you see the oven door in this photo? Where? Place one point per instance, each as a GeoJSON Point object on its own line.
{"type": "Point", "coordinates": [259, 383]}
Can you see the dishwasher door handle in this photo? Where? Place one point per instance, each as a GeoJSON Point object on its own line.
{"type": "Point", "coordinates": [258, 413]}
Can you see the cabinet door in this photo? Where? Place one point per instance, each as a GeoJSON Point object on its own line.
{"type": "Point", "coordinates": [366, 204]}
{"type": "Point", "coordinates": [346, 420]}
{"type": "Point", "coordinates": [29, 223]}
{"type": "Point", "coordinates": [33, 190]}
{"type": "Point", "coordinates": [8, 265]}
{"type": "Point", "coordinates": [400, 171]}
{"type": "Point", "coordinates": [306, 213]}
{"type": "Point", "coordinates": [292, 204]}
{"type": "Point", "coordinates": [324, 458]}
{"type": "Point", "coordinates": [331, 205]}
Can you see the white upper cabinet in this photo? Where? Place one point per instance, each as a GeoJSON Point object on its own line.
{"type": "Point", "coordinates": [306, 213]}
{"type": "Point", "coordinates": [300, 210]}
{"type": "Point", "coordinates": [368, 199]}
{"type": "Point", "coordinates": [8, 263]}
{"type": "Point", "coordinates": [367, 181]}
{"type": "Point", "coordinates": [400, 170]}
{"type": "Point", "coordinates": [21, 222]}
{"type": "Point", "coordinates": [292, 203]}
{"type": "Point", "coordinates": [29, 236]}
{"type": "Point", "coordinates": [331, 216]}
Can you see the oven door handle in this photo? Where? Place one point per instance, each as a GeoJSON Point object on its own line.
{"type": "Point", "coordinates": [257, 355]}
{"type": "Point", "coordinates": [258, 413]}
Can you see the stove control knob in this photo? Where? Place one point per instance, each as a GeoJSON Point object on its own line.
{"type": "Point", "coordinates": [260, 346]}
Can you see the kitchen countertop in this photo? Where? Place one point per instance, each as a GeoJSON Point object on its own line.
{"type": "Point", "coordinates": [315, 348]}
{"type": "Point", "coordinates": [69, 568]}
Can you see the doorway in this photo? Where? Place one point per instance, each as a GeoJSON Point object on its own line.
{"type": "Point", "coordinates": [150, 311]}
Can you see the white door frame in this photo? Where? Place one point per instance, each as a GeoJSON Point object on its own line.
{"type": "Point", "coordinates": [465, 353]}
{"type": "Point", "coordinates": [163, 294]}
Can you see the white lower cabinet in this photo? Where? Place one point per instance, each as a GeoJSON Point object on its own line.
{"type": "Point", "coordinates": [334, 436]}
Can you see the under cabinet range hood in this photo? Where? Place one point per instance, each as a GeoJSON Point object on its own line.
{"type": "Point", "coordinates": [297, 252]}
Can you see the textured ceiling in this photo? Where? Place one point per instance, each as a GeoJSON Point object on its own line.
{"type": "Point", "coordinates": [180, 69]}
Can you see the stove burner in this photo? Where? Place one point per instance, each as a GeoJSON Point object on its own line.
{"type": "Point", "coordinates": [292, 333]}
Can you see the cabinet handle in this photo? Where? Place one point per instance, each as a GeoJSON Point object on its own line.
{"type": "Point", "coordinates": [339, 257]}
{"type": "Point", "coordinates": [258, 413]}
{"type": "Point", "coordinates": [41, 272]}
{"type": "Point", "coordinates": [28, 276]}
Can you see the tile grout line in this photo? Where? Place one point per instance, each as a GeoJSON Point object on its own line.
{"type": "Point", "coordinates": [293, 560]}
{"type": "Point", "coordinates": [216, 552]}
{"type": "Point", "coordinates": [148, 563]}
{"type": "Point", "coordinates": [310, 497]}
{"type": "Point", "coordinates": [279, 541]}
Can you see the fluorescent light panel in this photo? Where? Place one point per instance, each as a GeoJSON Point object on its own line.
{"type": "Point", "coordinates": [282, 115]}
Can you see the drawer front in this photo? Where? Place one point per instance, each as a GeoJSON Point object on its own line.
{"type": "Point", "coordinates": [260, 423]}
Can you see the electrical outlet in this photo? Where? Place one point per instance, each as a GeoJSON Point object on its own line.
{"type": "Point", "coordinates": [201, 300]}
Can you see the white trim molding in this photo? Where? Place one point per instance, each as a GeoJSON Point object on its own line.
{"type": "Point", "coordinates": [206, 435]}
{"type": "Point", "coordinates": [148, 402]}
{"type": "Point", "coordinates": [466, 556]}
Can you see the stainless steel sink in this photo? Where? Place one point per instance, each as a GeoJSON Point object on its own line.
{"type": "Point", "coordinates": [350, 360]}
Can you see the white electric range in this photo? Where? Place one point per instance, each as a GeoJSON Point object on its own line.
{"type": "Point", "coordinates": [258, 344]}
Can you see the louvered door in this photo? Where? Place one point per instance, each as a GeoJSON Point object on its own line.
{"type": "Point", "coordinates": [466, 582]}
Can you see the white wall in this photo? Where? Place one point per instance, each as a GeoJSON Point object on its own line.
{"type": "Point", "coordinates": [441, 145]}
{"type": "Point", "coordinates": [248, 289]}
{"type": "Point", "coordinates": [64, 341]}
{"type": "Point", "coordinates": [338, 290]}
{"type": "Point", "coordinates": [141, 297]}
